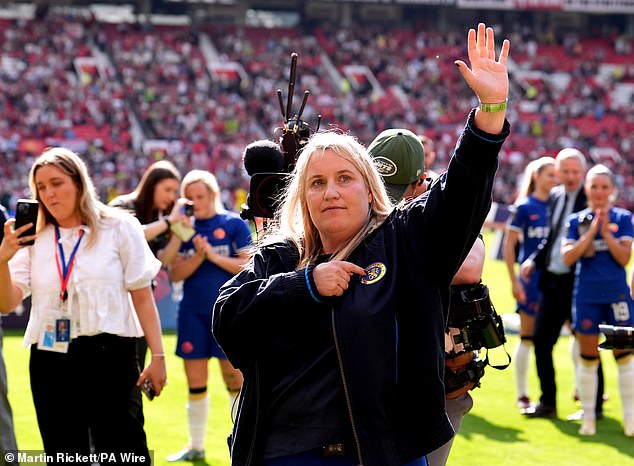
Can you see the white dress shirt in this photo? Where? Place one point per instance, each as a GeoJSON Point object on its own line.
{"type": "Point", "coordinates": [98, 299]}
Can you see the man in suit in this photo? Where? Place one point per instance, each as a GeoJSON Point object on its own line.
{"type": "Point", "coordinates": [556, 281]}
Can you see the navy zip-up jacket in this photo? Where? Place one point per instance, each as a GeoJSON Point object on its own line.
{"type": "Point", "coordinates": [389, 353]}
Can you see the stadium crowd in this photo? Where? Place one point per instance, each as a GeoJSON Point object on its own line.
{"type": "Point", "coordinates": [125, 95]}
{"type": "Point", "coordinates": [128, 95]}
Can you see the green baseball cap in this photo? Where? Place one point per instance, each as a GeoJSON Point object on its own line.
{"type": "Point", "coordinates": [400, 159]}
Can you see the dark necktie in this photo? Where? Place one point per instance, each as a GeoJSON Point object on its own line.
{"type": "Point", "coordinates": [562, 215]}
{"type": "Point", "coordinates": [556, 230]}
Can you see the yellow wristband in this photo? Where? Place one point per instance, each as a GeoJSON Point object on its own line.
{"type": "Point", "coordinates": [492, 108]}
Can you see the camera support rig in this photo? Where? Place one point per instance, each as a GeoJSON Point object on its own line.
{"type": "Point", "coordinates": [267, 185]}
{"type": "Point", "coordinates": [295, 132]}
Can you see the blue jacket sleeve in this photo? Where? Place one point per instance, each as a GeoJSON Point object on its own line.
{"type": "Point", "coordinates": [268, 298]}
{"type": "Point", "coordinates": [441, 229]}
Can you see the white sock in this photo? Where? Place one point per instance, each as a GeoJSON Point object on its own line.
{"type": "Point", "coordinates": [522, 352]}
{"type": "Point", "coordinates": [626, 385]}
{"type": "Point", "coordinates": [575, 354]}
{"type": "Point", "coordinates": [234, 401]}
{"type": "Point", "coordinates": [587, 382]}
{"type": "Point", "coordinates": [197, 412]}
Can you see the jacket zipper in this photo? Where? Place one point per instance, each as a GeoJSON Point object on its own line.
{"type": "Point", "coordinates": [257, 414]}
{"type": "Point", "coordinates": [346, 394]}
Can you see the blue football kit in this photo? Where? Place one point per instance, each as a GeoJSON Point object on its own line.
{"type": "Point", "coordinates": [228, 234]}
{"type": "Point", "coordinates": [601, 292]}
{"type": "Point", "coordinates": [531, 220]}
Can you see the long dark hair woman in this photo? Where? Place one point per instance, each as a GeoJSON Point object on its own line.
{"type": "Point", "coordinates": [154, 202]}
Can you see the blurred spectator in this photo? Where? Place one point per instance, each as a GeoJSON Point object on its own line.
{"type": "Point", "coordinates": [7, 434]}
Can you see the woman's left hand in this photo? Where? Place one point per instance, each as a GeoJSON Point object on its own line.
{"type": "Point", "coordinates": [177, 214]}
{"type": "Point", "coordinates": [201, 245]}
{"type": "Point", "coordinates": [156, 372]}
{"type": "Point", "coordinates": [487, 77]}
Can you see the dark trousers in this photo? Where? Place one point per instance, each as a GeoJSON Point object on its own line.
{"type": "Point", "coordinates": [141, 352]}
{"type": "Point", "coordinates": [555, 308]}
{"type": "Point", "coordinates": [89, 393]}
{"type": "Point", "coordinates": [314, 458]}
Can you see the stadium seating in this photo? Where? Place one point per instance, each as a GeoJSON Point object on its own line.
{"type": "Point", "coordinates": [126, 94]}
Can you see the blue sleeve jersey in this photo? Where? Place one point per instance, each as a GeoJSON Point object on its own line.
{"type": "Point", "coordinates": [228, 234]}
{"type": "Point", "coordinates": [531, 220]}
{"type": "Point", "coordinates": [599, 278]}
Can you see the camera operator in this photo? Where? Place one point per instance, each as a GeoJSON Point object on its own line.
{"type": "Point", "coordinates": [463, 370]}
{"type": "Point", "coordinates": [599, 240]}
{"type": "Point", "coordinates": [403, 156]}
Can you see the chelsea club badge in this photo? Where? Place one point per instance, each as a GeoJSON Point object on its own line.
{"type": "Point", "coordinates": [373, 273]}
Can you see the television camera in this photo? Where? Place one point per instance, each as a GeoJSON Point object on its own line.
{"type": "Point", "coordinates": [472, 312]}
{"type": "Point", "coordinates": [617, 337]}
{"type": "Point", "coordinates": [270, 164]}
{"type": "Point", "coordinates": [473, 324]}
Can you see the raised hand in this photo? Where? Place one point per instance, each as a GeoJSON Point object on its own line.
{"type": "Point", "coordinates": [487, 76]}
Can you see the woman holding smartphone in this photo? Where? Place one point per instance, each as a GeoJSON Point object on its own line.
{"type": "Point", "coordinates": [86, 263]}
{"type": "Point", "coordinates": [155, 203]}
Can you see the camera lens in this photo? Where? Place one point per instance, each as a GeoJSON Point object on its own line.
{"type": "Point", "coordinates": [23, 208]}
{"type": "Point", "coordinates": [189, 210]}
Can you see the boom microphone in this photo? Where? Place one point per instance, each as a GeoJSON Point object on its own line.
{"type": "Point", "coordinates": [263, 156]}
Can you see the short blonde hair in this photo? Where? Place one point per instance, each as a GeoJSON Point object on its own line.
{"type": "Point", "coordinates": [601, 169]}
{"type": "Point", "coordinates": [293, 219]}
{"type": "Point", "coordinates": [209, 180]}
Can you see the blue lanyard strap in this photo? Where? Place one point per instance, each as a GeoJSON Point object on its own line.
{"type": "Point", "coordinates": [64, 269]}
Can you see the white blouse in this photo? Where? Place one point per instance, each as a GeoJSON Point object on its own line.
{"type": "Point", "coordinates": [102, 275]}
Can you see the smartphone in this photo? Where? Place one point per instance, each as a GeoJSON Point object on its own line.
{"type": "Point", "coordinates": [148, 389]}
{"type": "Point", "coordinates": [26, 212]}
{"type": "Point", "coordinates": [189, 209]}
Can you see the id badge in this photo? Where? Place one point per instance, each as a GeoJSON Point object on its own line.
{"type": "Point", "coordinates": [62, 330]}
{"type": "Point", "coordinates": [54, 332]}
